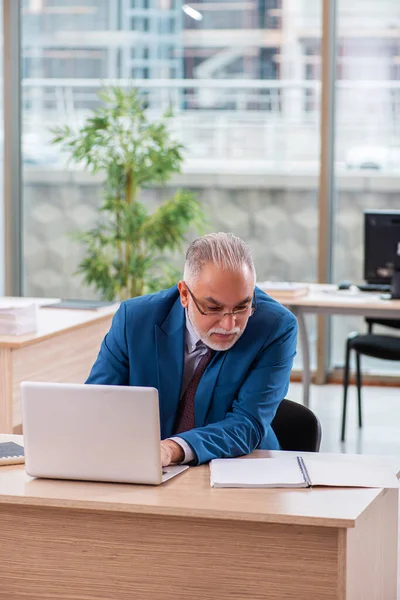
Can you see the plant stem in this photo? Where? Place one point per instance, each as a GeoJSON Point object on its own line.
{"type": "Point", "coordinates": [130, 198]}
{"type": "Point", "coordinates": [118, 225]}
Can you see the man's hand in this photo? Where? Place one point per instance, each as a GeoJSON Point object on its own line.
{"type": "Point", "coordinates": [171, 453]}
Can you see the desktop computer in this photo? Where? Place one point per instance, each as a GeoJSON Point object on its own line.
{"type": "Point", "coordinates": [382, 250]}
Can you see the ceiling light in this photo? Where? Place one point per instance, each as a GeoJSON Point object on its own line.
{"type": "Point", "coordinates": [192, 12]}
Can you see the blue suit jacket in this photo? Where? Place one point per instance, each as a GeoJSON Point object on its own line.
{"type": "Point", "coordinates": [240, 390]}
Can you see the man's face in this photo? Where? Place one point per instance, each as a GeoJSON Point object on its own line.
{"type": "Point", "coordinates": [218, 292]}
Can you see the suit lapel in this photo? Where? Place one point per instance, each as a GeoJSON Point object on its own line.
{"type": "Point", "coordinates": [170, 340]}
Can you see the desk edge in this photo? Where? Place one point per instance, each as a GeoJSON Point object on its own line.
{"type": "Point", "coordinates": [142, 509]}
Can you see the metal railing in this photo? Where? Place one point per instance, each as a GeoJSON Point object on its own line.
{"type": "Point", "coordinates": [272, 121]}
{"type": "Point", "coordinates": [70, 95]}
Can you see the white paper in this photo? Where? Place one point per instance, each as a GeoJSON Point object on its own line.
{"type": "Point", "coordinates": [285, 472]}
{"type": "Point", "coordinates": [348, 474]}
{"type": "Point", "coordinates": [17, 318]}
{"type": "Point", "coordinates": [256, 472]}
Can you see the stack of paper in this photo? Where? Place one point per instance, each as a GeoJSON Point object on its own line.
{"type": "Point", "coordinates": [17, 318]}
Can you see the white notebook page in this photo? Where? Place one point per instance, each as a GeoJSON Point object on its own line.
{"type": "Point", "coordinates": [256, 472]}
{"type": "Point", "coordinates": [348, 474]}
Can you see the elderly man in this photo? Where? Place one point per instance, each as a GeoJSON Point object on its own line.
{"type": "Point", "coordinates": [217, 348]}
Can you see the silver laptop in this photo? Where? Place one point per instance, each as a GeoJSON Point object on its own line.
{"type": "Point", "coordinates": [93, 432]}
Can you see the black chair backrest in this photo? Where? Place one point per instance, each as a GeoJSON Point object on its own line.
{"type": "Point", "coordinates": [394, 323]}
{"type": "Point", "coordinates": [297, 427]}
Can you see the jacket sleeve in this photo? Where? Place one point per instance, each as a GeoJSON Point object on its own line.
{"type": "Point", "coordinates": [112, 364]}
{"type": "Point", "coordinates": [255, 406]}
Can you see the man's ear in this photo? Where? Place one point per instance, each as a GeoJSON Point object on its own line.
{"type": "Point", "coordinates": [183, 293]}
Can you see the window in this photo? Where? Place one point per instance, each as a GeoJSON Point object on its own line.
{"type": "Point", "coordinates": [2, 258]}
{"type": "Point", "coordinates": [367, 142]}
{"type": "Point", "coordinates": [246, 103]}
{"type": "Point", "coordinates": [250, 120]}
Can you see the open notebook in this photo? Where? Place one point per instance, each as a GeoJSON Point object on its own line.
{"type": "Point", "coordinates": [296, 472]}
{"type": "Point", "coordinates": [11, 454]}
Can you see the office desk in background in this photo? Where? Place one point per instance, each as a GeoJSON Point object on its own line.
{"type": "Point", "coordinates": [63, 349]}
{"type": "Point", "coordinates": [324, 299]}
{"type": "Point", "coordinates": [185, 540]}
{"type": "Point", "coordinates": [67, 342]}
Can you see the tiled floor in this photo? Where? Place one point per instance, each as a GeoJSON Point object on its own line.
{"type": "Point", "coordinates": [380, 433]}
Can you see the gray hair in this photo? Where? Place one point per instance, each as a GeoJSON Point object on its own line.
{"type": "Point", "coordinates": [225, 250]}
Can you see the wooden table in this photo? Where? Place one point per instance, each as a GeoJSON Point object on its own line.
{"type": "Point", "coordinates": [63, 349]}
{"type": "Point", "coordinates": [184, 540]}
{"type": "Point", "coordinates": [327, 300]}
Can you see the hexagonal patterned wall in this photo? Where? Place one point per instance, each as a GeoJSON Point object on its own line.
{"type": "Point", "coordinates": [279, 223]}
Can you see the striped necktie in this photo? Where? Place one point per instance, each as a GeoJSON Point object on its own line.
{"type": "Point", "coordinates": [185, 417]}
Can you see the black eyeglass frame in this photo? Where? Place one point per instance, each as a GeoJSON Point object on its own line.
{"type": "Point", "coordinates": [221, 315]}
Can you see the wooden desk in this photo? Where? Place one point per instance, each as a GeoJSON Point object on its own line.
{"type": "Point", "coordinates": [63, 349]}
{"type": "Point", "coordinates": [327, 300]}
{"type": "Point", "coordinates": [184, 540]}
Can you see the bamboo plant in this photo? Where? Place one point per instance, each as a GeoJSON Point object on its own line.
{"type": "Point", "coordinates": [125, 251]}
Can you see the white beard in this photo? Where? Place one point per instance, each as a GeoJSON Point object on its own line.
{"type": "Point", "coordinates": [207, 339]}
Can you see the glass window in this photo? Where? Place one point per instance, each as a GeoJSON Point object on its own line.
{"type": "Point", "coordinates": [2, 258]}
{"type": "Point", "coordinates": [256, 141]}
{"type": "Point", "coordinates": [247, 109]}
{"type": "Point", "coordinates": [367, 143]}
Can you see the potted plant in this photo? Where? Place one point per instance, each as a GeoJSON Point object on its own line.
{"type": "Point", "coordinates": [125, 250]}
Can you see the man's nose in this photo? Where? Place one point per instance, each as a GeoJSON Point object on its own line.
{"type": "Point", "coordinates": [229, 321]}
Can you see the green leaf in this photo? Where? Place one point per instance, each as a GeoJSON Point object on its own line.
{"type": "Point", "coordinates": [125, 251]}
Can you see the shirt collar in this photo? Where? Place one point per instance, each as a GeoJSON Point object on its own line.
{"type": "Point", "coordinates": [191, 338]}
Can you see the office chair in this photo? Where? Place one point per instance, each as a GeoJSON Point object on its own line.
{"type": "Point", "coordinates": [386, 347]}
{"type": "Point", "coordinates": [297, 427]}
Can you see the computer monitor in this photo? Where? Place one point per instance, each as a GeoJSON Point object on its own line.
{"type": "Point", "coordinates": [381, 245]}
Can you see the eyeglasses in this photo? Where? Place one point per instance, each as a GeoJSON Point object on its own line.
{"type": "Point", "coordinates": [219, 312]}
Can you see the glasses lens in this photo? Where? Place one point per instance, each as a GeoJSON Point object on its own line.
{"type": "Point", "coordinates": [215, 311]}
